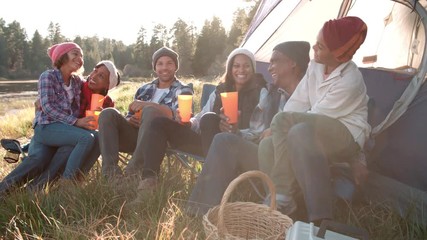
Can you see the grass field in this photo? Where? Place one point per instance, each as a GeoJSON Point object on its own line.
{"type": "Point", "coordinates": [97, 209]}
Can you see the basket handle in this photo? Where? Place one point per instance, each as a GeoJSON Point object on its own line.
{"type": "Point", "coordinates": [233, 184]}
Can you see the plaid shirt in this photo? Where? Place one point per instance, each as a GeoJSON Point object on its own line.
{"type": "Point", "coordinates": [170, 98]}
{"type": "Point", "coordinates": [54, 99]}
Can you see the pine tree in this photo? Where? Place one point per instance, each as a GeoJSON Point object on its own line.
{"type": "Point", "coordinates": [183, 42]}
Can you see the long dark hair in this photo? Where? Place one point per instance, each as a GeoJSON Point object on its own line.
{"type": "Point", "coordinates": [228, 79]}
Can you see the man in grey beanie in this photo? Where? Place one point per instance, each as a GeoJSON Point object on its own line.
{"type": "Point", "coordinates": [158, 98]}
{"type": "Point", "coordinates": [165, 51]}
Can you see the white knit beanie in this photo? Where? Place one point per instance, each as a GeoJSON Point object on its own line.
{"type": "Point", "coordinates": [238, 51]}
{"type": "Point", "coordinates": [114, 81]}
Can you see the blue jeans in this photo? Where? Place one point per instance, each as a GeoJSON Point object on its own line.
{"type": "Point", "coordinates": [86, 149]}
{"type": "Point", "coordinates": [30, 167]}
{"type": "Point", "coordinates": [53, 170]}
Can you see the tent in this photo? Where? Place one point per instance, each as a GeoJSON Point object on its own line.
{"type": "Point", "coordinates": [394, 65]}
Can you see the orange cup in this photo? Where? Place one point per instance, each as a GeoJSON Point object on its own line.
{"type": "Point", "coordinates": [185, 105]}
{"type": "Point", "coordinates": [95, 114]}
{"type": "Point", "coordinates": [229, 103]}
{"type": "Point", "coordinates": [96, 102]}
{"type": "Point", "coordinates": [138, 114]}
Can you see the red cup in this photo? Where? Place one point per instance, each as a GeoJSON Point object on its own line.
{"type": "Point", "coordinates": [96, 101]}
{"type": "Point", "coordinates": [229, 103]}
{"type": "Point", "coordinates": [185, 104]}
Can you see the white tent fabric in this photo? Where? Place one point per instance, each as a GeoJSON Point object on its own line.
{"type": "Point", "coordinates": [396, 35]}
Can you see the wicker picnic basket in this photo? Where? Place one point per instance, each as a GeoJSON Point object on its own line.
{"type": "Point", "coordinates": [246, 220]}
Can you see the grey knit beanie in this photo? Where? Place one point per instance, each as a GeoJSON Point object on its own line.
{"type": "Point", "coordinates": [165, 51]}
{"type": "Point", "coordinates": [298, 51]}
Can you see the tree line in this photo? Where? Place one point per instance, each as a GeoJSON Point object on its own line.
{"type": "Point", "coordinates": [202, 53]}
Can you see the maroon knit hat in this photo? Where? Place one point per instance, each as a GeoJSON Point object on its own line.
{"type": "Point", "coordinates": [344, 36]}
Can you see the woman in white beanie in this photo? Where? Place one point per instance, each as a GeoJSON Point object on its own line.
{"type": "Point", "coordinates": [240, 76]}
{"type": "Point", "coordinates": [103, 77]}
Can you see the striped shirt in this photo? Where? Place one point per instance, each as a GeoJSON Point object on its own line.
{"type": "Point", "coordinates": [55, 106]}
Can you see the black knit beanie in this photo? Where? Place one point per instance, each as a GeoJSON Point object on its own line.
{"type": "Point", "coordinates": [298, 51]}
{"type": "Point", "coordinates": [165, 51]}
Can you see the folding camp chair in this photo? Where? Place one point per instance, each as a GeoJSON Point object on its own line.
{"type": "Point", "coordinates": [183, 157]}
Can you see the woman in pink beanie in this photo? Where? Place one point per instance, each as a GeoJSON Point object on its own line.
{"type": "Point", "coordinates": [58, 122]}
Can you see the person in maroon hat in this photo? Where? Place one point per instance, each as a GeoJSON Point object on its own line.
{"type": "Point", "coordinates": [324, 122]}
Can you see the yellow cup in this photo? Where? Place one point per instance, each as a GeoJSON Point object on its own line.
{"type": "Point", "coordinates": [185, 104]}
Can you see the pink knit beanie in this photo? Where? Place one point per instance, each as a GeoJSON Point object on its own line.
{"type": "Point", "coordinates": [57, 50]}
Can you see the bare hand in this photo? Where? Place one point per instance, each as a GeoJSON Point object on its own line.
{"type": "Point", "coordinates": [224, 124]}
{"type": "Point", "coordinates": [179, 119]}
{"type": "Point", "coordinates": [136, 106]}
{"type": "Point", "coordinates": [86, 123]}
{"type": "Point", "coordinates": [37, 104]}
{"type": "Point", "coordinates": [134, 121]}
{"type": "Point", "coordinates": [266, 133]}
{"type": "Point", "coordinates": [360, 173]}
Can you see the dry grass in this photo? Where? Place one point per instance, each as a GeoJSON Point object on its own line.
{"type": "Point", "coordinates": [10, 104]}
{"type": "Point", "coordinates": [17, 123]}
{"type": "Point", "coordinates": [97, 209]}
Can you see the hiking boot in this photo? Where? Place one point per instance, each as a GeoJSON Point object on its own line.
{"type": "Point", "coordinates": [148, 184]}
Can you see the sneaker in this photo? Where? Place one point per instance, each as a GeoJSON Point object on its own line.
{"type": "Point", "coordinates": [148, 184]}
{"type": "Point", "coordinates": [285, 204]}
{"type": "Point", "coordinates": [288, 208]}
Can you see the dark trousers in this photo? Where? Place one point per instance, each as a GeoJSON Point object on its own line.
{"type": "Point", "coordinates": [164, 131]}
{"type": "Point", "coordinates": [209, 127]}
{"type": "Point", "coordinates": [299, 154]}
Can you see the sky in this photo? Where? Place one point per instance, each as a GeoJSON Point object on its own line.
{"type": "Point", "coordinates": [120, 20]}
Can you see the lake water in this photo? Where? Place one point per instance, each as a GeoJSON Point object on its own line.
{"type": "Point", "coordinates": [16, 94]}
{"type": "Point", "coordinates": [18, 88]}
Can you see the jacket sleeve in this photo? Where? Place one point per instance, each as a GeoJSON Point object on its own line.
{"type": "Point", "coordinates": [108, 102]}
{"type": "Point", "coordinates": [256, 124]}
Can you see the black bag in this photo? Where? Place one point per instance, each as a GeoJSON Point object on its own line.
{"type": "Point", "coordinates": [13, 150]}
